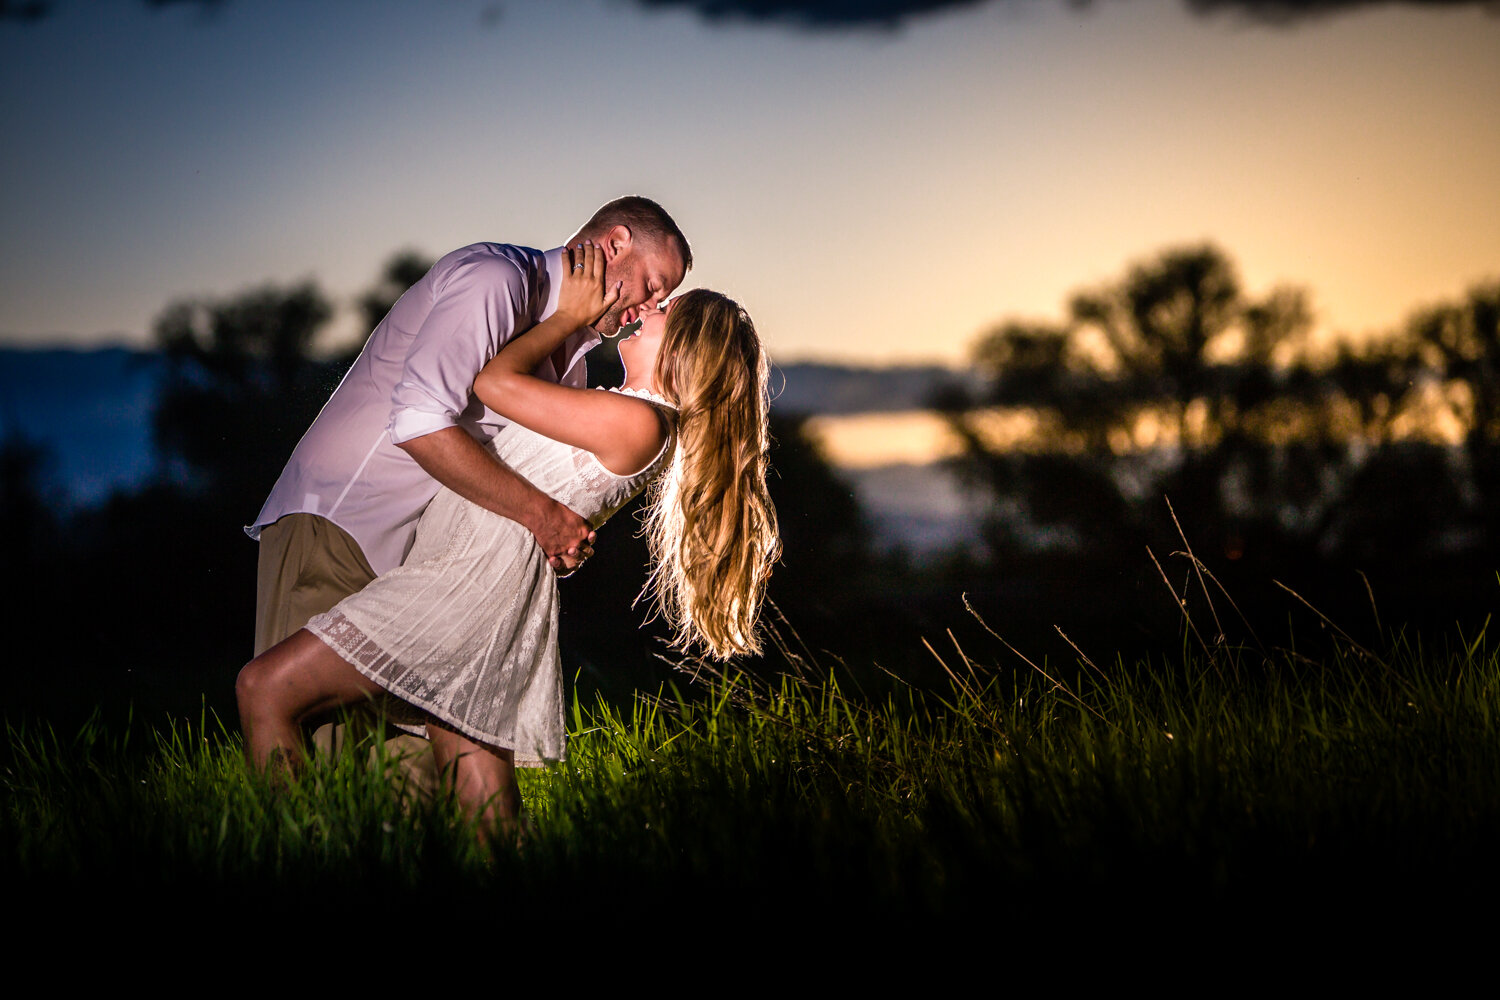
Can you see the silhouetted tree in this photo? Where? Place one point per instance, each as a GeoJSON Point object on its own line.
{"type": "Point", "coordinates": [1463, 340]}
{"type": "Point", "coordinates": [1269, 458]}
{"type": "Point", "coordinates": [28, 525]}
{"type": "Point", "coordinates": [241, 386]}
{"type": "Point", "coordinates": [1144, 343]}
{"type": "Point", "coordinates": [404, 269]}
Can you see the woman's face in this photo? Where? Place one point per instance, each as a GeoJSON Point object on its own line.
{"type": "Point", "coordinates": [638, 351]}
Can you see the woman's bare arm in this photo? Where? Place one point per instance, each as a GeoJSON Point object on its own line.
{"type": "Point", "coordinates": [623, 432]}
{"type": "Point", "coordinates": [581, 300]}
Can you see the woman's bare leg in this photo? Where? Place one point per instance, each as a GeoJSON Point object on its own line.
{"type": "Point", "coordinates": [294, 680]}
{"type": "Point", "coordinates": [483, 777]}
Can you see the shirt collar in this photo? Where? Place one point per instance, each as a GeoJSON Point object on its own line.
{"type": "Point", "coordinates": [581, 342]}
{"type": "Point", "coordinates": [553, 261]}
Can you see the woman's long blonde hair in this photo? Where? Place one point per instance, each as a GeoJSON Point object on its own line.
{"type": "Point", "coordinates": [710, 524]}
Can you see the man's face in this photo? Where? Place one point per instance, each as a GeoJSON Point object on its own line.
{"type": "Point", "coordinates": [649, 274]}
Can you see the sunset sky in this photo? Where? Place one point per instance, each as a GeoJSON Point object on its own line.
{"type": "Point", "coordinates": [871, 196]}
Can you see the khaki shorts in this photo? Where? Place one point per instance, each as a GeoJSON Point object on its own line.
{"type": "Point", "coordinates": [307, 565]}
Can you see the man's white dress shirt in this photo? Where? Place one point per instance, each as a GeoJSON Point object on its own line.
{"type": "Point", "coordinates": [414, 376]}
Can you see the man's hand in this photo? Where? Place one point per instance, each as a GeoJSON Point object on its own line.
{"type": "Point", "coordinates": [565, 537]}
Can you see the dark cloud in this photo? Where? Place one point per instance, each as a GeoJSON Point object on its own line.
{"type": "Point", "coordinates": [828, 14]}
{"type": "Point", "coordinates": [892, 14]}
{"type": "Point", "coordinates": [1297, 11]}
{"type": "Point", "coordinates": [27, 11]}
{"type": "Point", "coordinates": [825, 14]}
{"type": "Point", "coordinates": [24, 10]}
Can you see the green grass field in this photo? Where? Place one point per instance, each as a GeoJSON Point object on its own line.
{"type": "Point", "coordinates": [1228, 779]}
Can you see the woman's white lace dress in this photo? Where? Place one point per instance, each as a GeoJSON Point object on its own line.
{"type": "Point", "coordinates": [466, 628]}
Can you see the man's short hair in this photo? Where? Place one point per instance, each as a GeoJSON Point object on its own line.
{"type": "Point", "coordinates": [645, 219]}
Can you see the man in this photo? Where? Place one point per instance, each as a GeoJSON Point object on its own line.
{"type": "Point", "coordinates": [404, 421]}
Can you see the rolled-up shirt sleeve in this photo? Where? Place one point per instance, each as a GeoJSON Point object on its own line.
{"type": "Point", "coordinates": [478, 307]}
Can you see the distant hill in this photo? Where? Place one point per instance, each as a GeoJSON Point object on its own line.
{"type": "Point", "coordinates": [835, 390]}
{"type": "Point", "coordinates": [89, 411]}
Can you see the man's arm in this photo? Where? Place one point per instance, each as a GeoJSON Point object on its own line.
{"type": "Point", "coordinates": [479, 299]}
{"type": "Point", "coordinates": [460, 463]}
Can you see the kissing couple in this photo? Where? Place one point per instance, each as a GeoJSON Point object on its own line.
{"type": "Point", "coordinates": [410, 550]}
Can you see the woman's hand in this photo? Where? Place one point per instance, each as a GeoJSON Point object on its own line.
{"type": "Point", "coordinates": [583, 297]}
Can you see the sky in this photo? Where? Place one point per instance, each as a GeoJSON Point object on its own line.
{"type": "Point", "coordinates": [872, 196]}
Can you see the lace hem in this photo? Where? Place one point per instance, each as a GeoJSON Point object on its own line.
{"type": "Point", "coordinates": [407, 711]}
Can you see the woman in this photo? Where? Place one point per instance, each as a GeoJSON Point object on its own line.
{"type": "Point", "coordinates": [462, 637]}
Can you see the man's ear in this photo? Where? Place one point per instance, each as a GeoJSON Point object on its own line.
{"type": "Point", "coordinates": [616, 241]}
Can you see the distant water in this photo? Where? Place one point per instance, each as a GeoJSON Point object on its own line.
{"type": "Point", "coordinates": [89, 412]}
{"type": "Point", "coordinates": [922, 509]}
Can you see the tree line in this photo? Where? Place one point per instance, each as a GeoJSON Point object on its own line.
{"type": "Point", "coordinates": [1173, 384]}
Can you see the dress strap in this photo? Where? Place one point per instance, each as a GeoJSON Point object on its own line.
{"type": "Point", "coordinates": [645, 394]}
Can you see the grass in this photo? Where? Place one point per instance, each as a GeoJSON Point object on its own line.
{"type": "Point", "coordinates": [1229, 778]}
